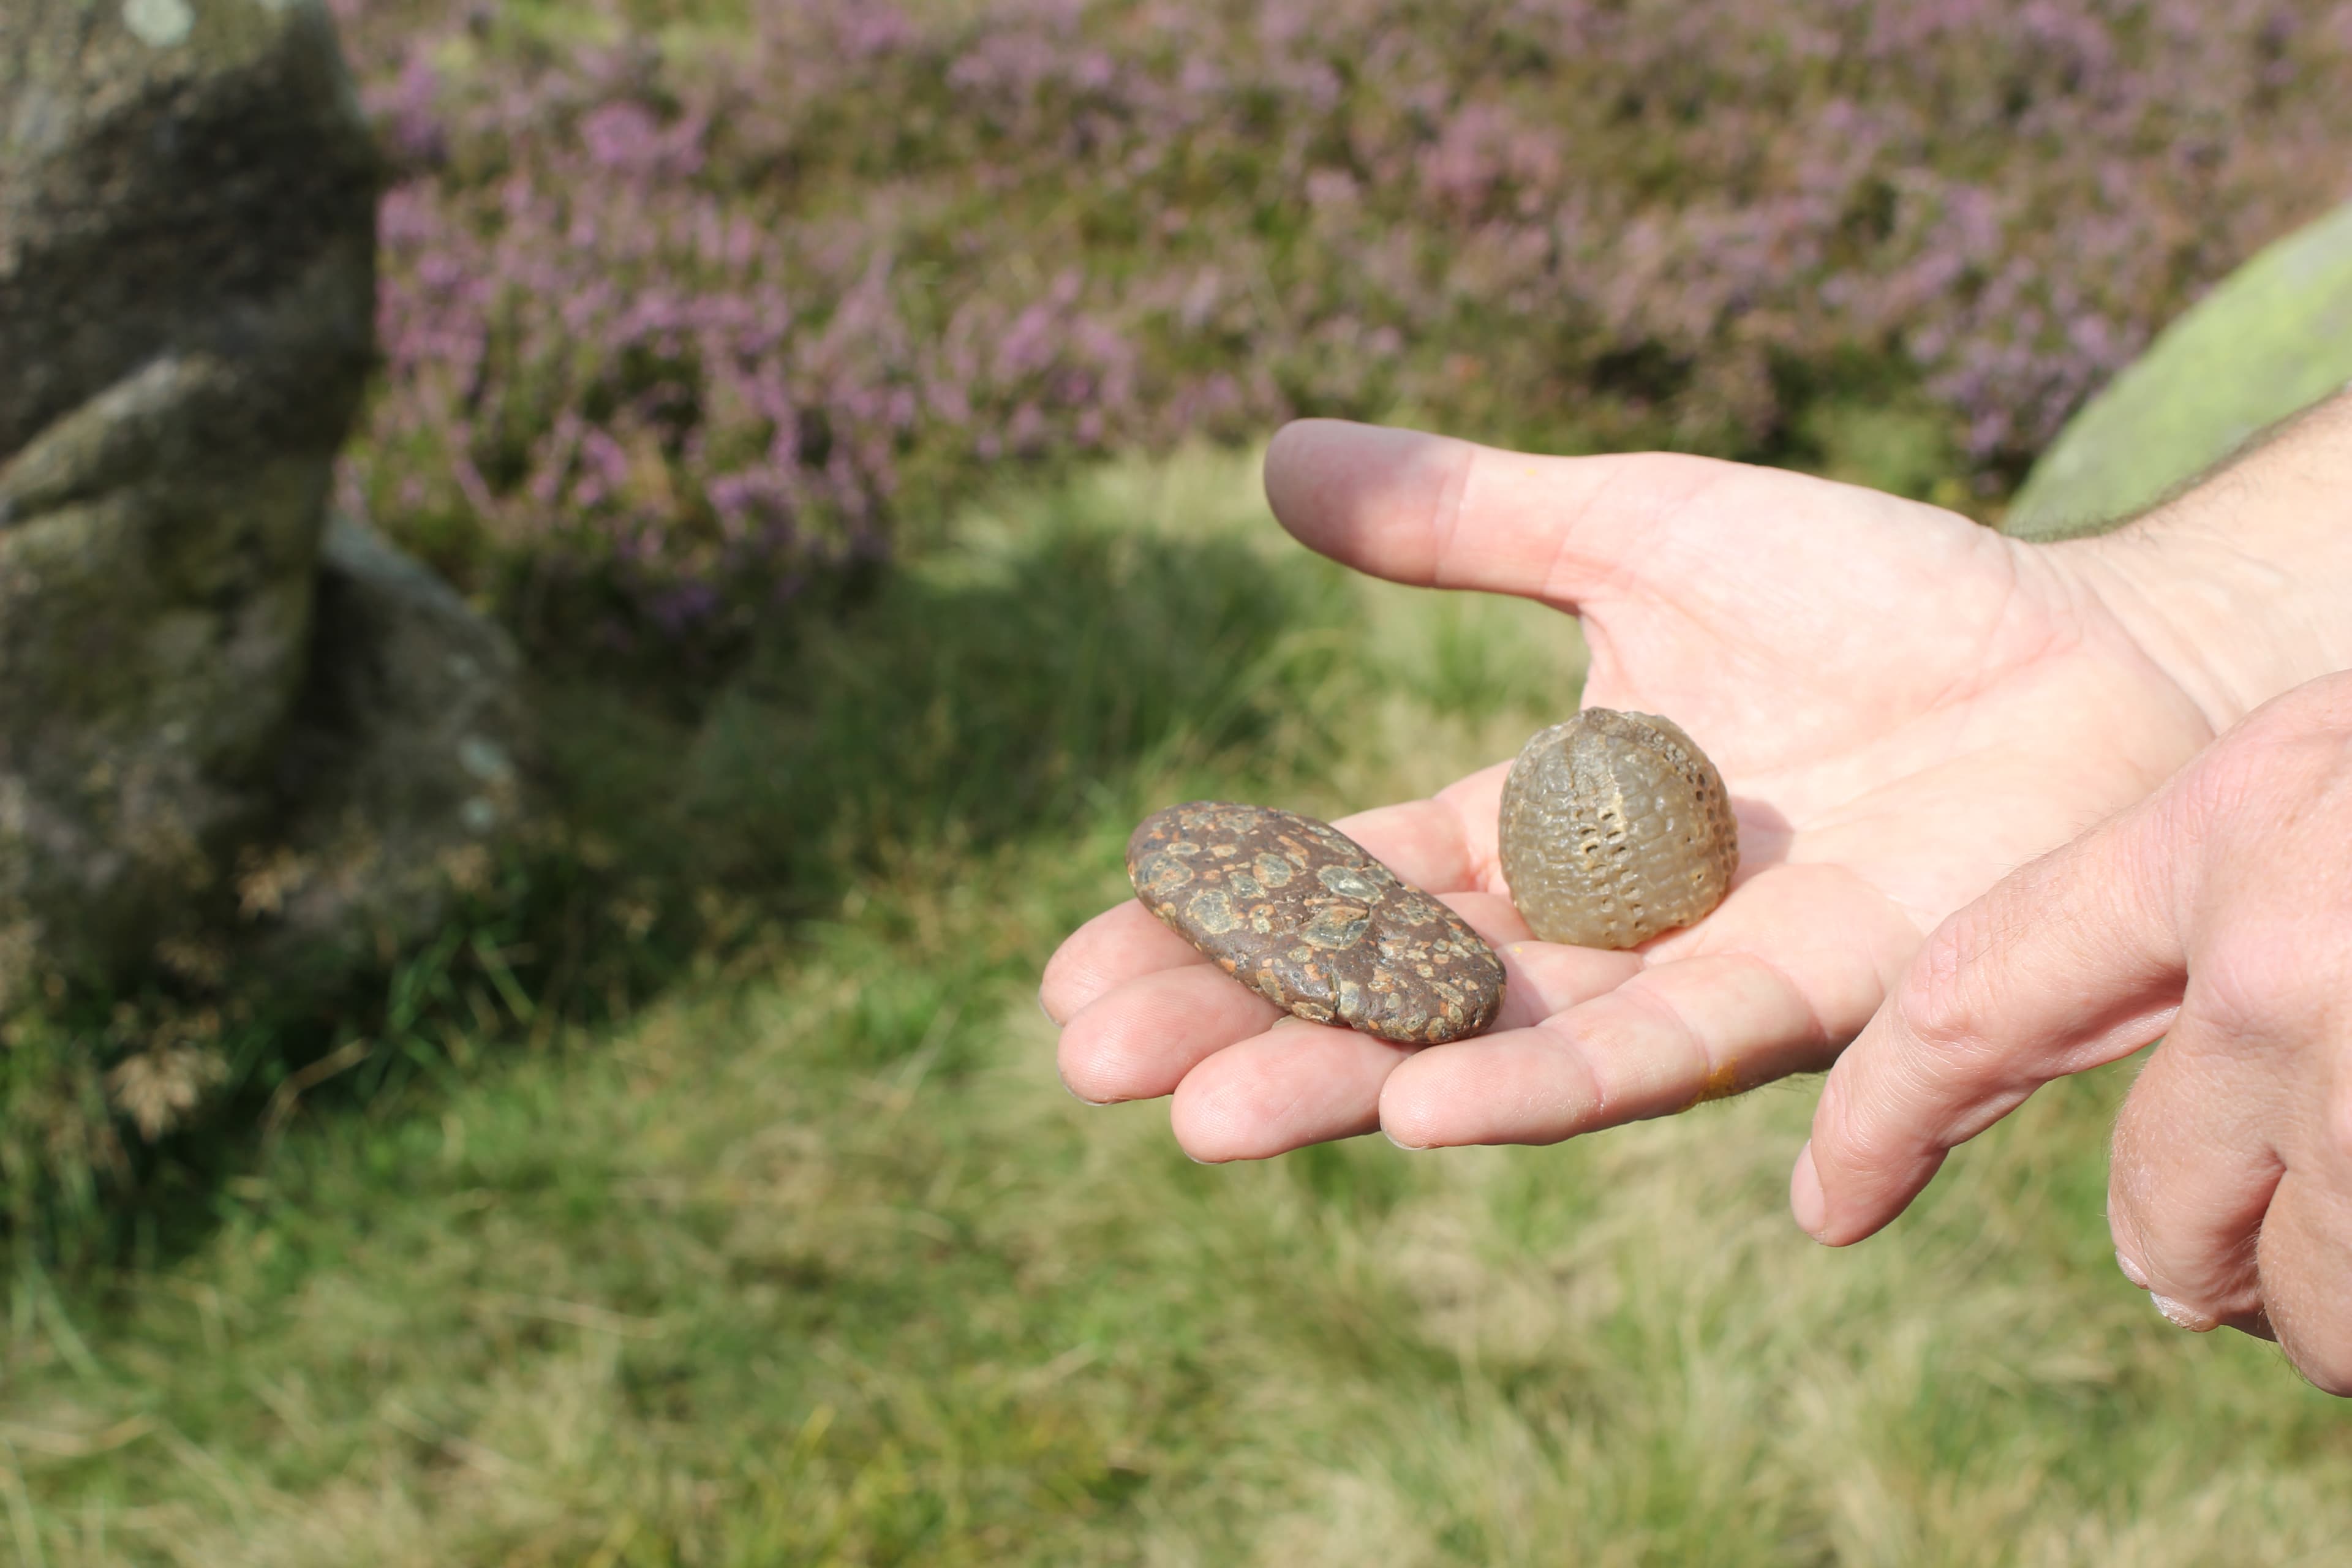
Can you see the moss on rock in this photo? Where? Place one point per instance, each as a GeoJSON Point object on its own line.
{"type": "Point", "coordinates": [219, 719]}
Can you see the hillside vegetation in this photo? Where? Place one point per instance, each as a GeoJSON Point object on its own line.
{"type": "Point", "coordinates": [851, 405]}
{"type": "Point", "coordinates": [812, 1260]}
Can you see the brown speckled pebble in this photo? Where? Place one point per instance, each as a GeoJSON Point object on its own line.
{"type": "Point", "coordinates": [1299, 912]}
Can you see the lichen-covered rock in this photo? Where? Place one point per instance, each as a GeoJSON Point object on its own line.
{"type": "Point", "coordinates": [405, 766]}
{"type": "Point", "coordinates": [1301, 914]}
{"type": "Point", "coordinates": [187, 197]}
{"type": "Point", "coordinates": [1615, 828]}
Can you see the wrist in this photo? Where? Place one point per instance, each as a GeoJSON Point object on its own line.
{"type": "Point", "coordinates": [2239, 588]}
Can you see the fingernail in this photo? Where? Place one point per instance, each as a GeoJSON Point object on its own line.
{"type": "Point", "coordinates": [2180, 1314]}
{"type": "Point", "coordinates": [1047, 1011]}
{"type": "Point", "coordinates": [1408, 1148]}
{"type": "Point", "coordinates": [1805, 1198]}
{"type": "Point", "coordinates": [1081, 1098]}
{"type": "Point", "coordinates": [2131, 1270]}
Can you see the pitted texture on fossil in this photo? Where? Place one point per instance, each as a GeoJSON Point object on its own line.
{"type": "Point", "coordinates": [1615, 828]}
{"type": "Point", "coordinates": [1302, 915]}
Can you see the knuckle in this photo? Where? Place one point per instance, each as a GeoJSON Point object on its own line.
{"type": "Point", "coordinates": [2219, 787]}
{"type": "Point", "coordinates": [1941, 1001]}
{"type": "Point", "coordinates": [2268, 976]}
{"type": "Point", "coordinates": [1852, 1134]}
{"type": "Point", "coordinates": [2283, 763]}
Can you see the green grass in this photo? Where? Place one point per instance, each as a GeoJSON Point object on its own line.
{"type": "Point", "coordinates": [808, 1258]}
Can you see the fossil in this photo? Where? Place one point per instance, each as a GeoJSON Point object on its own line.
{"type": "Point", "coordinates": [1615, 828]}
{"type": "Point", "coordinates": [1299, 913]}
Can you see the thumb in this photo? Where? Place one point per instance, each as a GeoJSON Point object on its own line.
{"type": "Point", "coordinates": [1439, 512]}
{"type": "Point", "coordinates": [2067, 964]}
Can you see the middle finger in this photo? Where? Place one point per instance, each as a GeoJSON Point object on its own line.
{"type": "Point", "coordinates": [2192, 1174]}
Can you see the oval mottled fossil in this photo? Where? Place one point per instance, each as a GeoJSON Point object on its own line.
{"type": "Point", "coordinates": [1615, 827]}
{"type": "Point", "coordinates": [1301, 914]}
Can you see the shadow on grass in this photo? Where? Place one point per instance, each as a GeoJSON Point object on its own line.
{"type": "Point", "coordinates": [1029, 684]}
{"type": "Point", "coordinates": [966, 708]}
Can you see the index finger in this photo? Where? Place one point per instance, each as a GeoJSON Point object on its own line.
{"type": "Point", "coordinates": [1772, 982]}
{"type": "Point", "coordinates": [2068, 964]}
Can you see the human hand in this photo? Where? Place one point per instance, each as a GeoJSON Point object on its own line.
{"type": "Point", "coordinates": [2217, 913]}
{"type": "Point", "coordinates": [1904, 705]}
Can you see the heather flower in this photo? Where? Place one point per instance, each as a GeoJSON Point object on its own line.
{"type": "Point", "coordinates": [693, 326]}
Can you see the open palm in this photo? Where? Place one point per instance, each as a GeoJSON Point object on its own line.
{"type": "Point", "coordinates": [1904, 705]}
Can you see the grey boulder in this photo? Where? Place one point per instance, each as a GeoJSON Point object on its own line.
{"type": "Point", "coordinates": [2273, 337]}
{"type": "Point", "coordinates": [187, 197]}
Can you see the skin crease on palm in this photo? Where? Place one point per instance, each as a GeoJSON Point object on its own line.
{"type": "Point", "coordinates": [1906, 708]}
